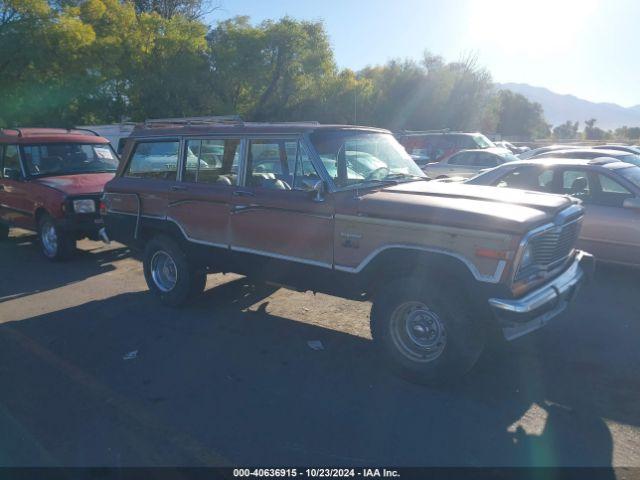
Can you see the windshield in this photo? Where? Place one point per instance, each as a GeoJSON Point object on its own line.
{"type": "Point", "coordinates": [632, 174]}
{"type": "Point", "coordinates": [355, 158]}
{"type": "Point", "coordinates": [482, 141]}
{"type": "Point", "coordinates": [69, 158]}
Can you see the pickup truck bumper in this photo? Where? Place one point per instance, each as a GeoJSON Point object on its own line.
{"type": "Point", "coordinates": [520, 316]}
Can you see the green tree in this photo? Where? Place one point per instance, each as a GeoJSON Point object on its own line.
{"type": "Point", "coordinates": [518, 117]}
{"type": "Point", "coordinates": [591, 132]}
{"type": "Point", "coordinates": [267, 71]}
{"type": "Point", "coordinates": [566, 131]}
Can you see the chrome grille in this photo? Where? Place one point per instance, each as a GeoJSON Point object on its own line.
{"type": "Point", "coordinates": [554, 245]}
{"type": "Point", "coordinates": [551, 247]}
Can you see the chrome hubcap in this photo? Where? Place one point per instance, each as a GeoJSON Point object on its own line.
{"type": "Point", "coordinates": [418, 332]}
{"type": "Point", "coordinates": [49, 239]}
{"type": "Point", "coordinates": [164, 271]}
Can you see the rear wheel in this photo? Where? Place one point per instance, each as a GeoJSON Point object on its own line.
{"type": "Point", "coordinates": [4, 232]}
{"type": "Point", "coordinates": [56, 244]}
{"type": "Point", "coordinates": [427, 336]}
{"type": "Point", "coordinates": [169, 274]}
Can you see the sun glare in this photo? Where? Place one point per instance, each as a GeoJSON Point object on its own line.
{"type": "Point", "coordinates": [535, 28]}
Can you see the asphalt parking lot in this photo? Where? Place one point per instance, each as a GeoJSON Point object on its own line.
{"type": "Point", "coordinates": [93, 371]}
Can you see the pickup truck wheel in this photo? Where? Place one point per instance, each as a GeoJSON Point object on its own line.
{"type": "Point", "coordinates": [56, 244]}
{"type": "Point", "coordinates": [4, 232]}
{"type": "Point", "coordinates": [169, 274]}
{"type": "Point", "coordinates": [428, 336]}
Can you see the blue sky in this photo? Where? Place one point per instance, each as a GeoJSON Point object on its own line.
{"type": "Point", "coordinates": [588, 48]}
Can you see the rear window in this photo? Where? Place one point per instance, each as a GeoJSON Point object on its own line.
{"type": "Point", "coordinates": [154, 160]}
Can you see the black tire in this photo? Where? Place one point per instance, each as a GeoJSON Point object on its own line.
{"type": "Point", "coordinates": [189, 281]}
{"type": "Point", "coordinates": [4, 232]}
{"type": "Point", "coordinates": [55, 243]}
{"type": "Point", "coordinates": [458, 339]}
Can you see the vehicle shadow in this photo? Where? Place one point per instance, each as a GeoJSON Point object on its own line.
{"type": "Point", "coordinates": [21, 253]}
{"type": "Point", "coordinates": [125, 381]}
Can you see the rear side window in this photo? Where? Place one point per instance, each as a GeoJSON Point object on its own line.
{"type": "Point", "coordinates": [212, 161]}
{"type": "Point", "coordinates": [154, 160]}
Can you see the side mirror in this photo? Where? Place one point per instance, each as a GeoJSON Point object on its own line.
{"type": "Point", "coordinates": [633, 203]}
{"type": "Point", "coordinates": [318, 189]}
{"type": "Point", "coordinates": [11, 174]}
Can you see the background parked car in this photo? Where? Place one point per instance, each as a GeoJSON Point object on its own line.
{"type": "Point", "coordinates": [426, 147]}
{"type": "Point", "coordinates": [593, 153]}
{"type": "Point", "coordinates": [116, 133]}
{"type": "Point", "coordinates": [51, 181]}
{"type": "Point", "coordinates": [549, 148]}
{"type": "Point", "coordinates": [511, 147]}
{"type": "Point", "coordinates": [468, 163]}
{"type": "Point", "coordinates": [620, 148]}
{"type": "Point", "coordinates": [609, 190]}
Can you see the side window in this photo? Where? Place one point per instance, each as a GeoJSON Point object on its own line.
{"type": "Point", "coordinates": [154, 160]}
{"type": "Point", "coordinates": [280, 165]}
{"type": "Point", "coordinates": [465, 142]}
{"type": "Point", "coordinates": [461, 159]}
{"type": "Point", "coordinates": [611, 194]}
{"type": "Point", "coordinates": [485, 160]}
{"type": "Point", "coordinates": [577, 183]}
{"type": "Point", "coordinates": [268, 165]}
{"type": "Point", "coordinates": [11, 160]}
{"type": "Point", "coordinates": [212, 161]}
{"type": "Point", "coordinates": [545, 180]}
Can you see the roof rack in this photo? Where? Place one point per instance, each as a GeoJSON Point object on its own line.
{"type": "Point", "coordinates": [11, 128]}
{"type": "Point", "coordinates": [235, 119]}
{"type": "Point", "coordinates": [78, 129]}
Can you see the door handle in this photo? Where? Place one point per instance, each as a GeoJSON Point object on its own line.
{"type": "Point", "coordinates": [177, 188]}
{"type": "Point", "coordinates": [243, 193]}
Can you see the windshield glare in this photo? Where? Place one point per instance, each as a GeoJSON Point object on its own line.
{"type": "Point", "coordinates": [69, 158]}
{"type": "Point", "coordinates": [354, 158]}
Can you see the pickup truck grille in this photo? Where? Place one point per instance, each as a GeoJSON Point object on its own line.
{"type": "Point", "coordinates": [555, 245]}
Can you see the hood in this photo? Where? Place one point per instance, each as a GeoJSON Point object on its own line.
{"type": "Point", "coordinates": [464, 206]}
{"type": "Point", "coordinates": [79, 184]}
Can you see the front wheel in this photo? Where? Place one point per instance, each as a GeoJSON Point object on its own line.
{"type": "Point", "coordinates": [428, 336]}
{"type": "Point", "coordinates": [56, 244]}
{"type": "Point", "coordinates": [169, 274]}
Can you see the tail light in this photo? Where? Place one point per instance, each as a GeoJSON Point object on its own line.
{"type": "Point", "coordinates": [102, 207]}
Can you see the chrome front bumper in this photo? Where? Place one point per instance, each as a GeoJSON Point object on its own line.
{"type": "Point", "coordinates": [520, 316]}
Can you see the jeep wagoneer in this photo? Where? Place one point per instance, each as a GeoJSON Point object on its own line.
{"type": "Point", "coordinates": [344, 210]}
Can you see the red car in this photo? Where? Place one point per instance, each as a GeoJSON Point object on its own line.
{"type": "Point", "coordinates": [50, 182]}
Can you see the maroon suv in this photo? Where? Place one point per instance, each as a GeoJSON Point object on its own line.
{"type": "Point", "coordinates": [50, 182]}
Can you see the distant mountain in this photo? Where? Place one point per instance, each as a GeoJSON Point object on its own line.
{"type": "Point", "coordinates": [560, 108]}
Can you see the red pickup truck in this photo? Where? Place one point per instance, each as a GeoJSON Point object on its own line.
{"type": "Point", "coordinates": [50, 182]}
